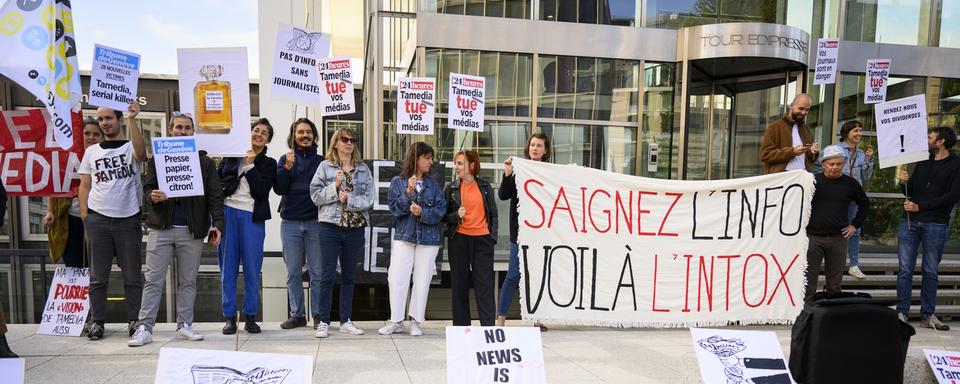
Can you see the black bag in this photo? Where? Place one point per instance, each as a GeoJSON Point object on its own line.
{"type": "Point", "coordinates": [849, 338]}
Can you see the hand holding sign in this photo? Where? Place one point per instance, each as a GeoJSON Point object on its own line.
{"type": "Point", "coordinates": [157, 196]}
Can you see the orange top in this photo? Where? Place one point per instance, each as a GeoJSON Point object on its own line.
{"type": "Point", "coordinates": [474, 223]}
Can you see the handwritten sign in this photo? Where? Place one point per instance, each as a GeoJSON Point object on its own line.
{"type": "Point", "coordinates": [826, 69]}
{"type": "Point", "coordinates": [494, 355]}
{"type": "Point", "coordinates": [878, 76]}
{"type": "Point", "coordinates": [466, 99]}
{"type": "Point", "coordinates": [113, 80]}
{"type": "Point", "coordinates": [178, 166]}
{"type": "Point", "coordinates": [336, 81]}
{"type": "Point", "coordinates": [179, 365]}
{"type": "Point", "coordinates": [295, 72]}
{"type": "Point", "coordinates": [733, 356]}
{"type": "Point", "coordinates": [65, 312]}
{"type": "Point", "coordinates": [415, 105]}
{"type": "Point", "coordinates": [902, 131]}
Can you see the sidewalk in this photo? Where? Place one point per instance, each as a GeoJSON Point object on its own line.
{"type": "Point", "coordinates": [573, 354]}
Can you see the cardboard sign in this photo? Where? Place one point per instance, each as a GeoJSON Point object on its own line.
{"type": "Point", "coordinates": [826, 69]}
{"type": "Point", "coordinates": [336, 82]}
{"type": "Point", "coordinates": [178, 166]}
{"type": "Point", "coordinates": [466, 99]}
{"type": "Point", "coordinates": [415, 105]}
{"type": "Point", "coordinates": [902, 131]}
{"type": "Point", "coordinates": [295, 75]}
{"type": "Point", "coordinates": [731, 356]}
{"type": "Point", "coordinates": [215, 87]}
{"type": "Point", "coordinates": [12, 370]}
{"type": "Point", "coordinates": [944, 364]}
{"type": "Point", "coordinates": [113, 80]}
{"type": "Point", "coordinates": [608, 249]}
{"type": "Point", "coordinates": [32, 163]}
{"type": "Point", "coordinates": [178, 365]}
{"type": "Point", "coordinates": [65, 312]}
{"type": "Point", "coordinates": [878, 75]}
{"type": "Point", "coordinates": [494, 355]}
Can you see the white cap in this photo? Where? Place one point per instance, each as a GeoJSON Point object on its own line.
{"type": "Point", "coordinates": [832, 151]}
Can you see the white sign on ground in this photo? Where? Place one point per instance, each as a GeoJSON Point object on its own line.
{"type": "Point", "coordinates": [295, 71]}
{"type": "Point", "coordinates": [494, 355]}
{"type": "Point", "coordinates": [465, 103]}
{"type": "Point", "coordinates": [336, 83]}
{"type": "Point", "coordinates": [878, 75]}
{"type": "Point", "coordinates": [65, 311]}
{"type": "Point", "coordinates": [826, 69]}
{"type": "Point", "coordinates": [205, 366]}
{"type": "Point", "coordinates": [945, 365]}
{"type": "Point", "coordinates": [178, 166]}
{"type": "Point", "coordinates": [731, 356]}
{"type": "Point", "coordinates": [113, 79]}
{"type": "Point", "coordinates": [415, 105]}
{"type": "Point", "coordinates": [11, 370]}
{"type": "Point", "coordinates": [902, 131]}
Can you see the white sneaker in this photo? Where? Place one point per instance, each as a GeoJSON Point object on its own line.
{"type": "Point", "coordinates": [141, 337]}
{"type": "Point", "coordinates": [856, 272]}
{"type": "Point", "coordinates": [391, 327]}
{"type": "Point", "coordinates": [415, 329]}
{"type": "Point", "coordinates": [322, 329]}
{"type": "Point", "coordinates": [351, 328]}
{"type": "Point", "coordinates": [903, 318]}
{"type": "Point", "coordinates": [187, 332]}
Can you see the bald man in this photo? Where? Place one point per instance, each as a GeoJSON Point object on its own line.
{"type": "Point", "coordinates": [788, 143]}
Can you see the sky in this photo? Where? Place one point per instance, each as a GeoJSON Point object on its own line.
{"type": "Point", "coordinates": [155, 29]}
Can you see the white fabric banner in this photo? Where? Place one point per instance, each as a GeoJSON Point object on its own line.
{"type": "Point", "coordinates": [65, 311]}
{"type": "Point", "coordinates": [602, 248]}
{"type": "Point", "coordinates": [465, 103]}
{"type": "Point", "coordinates": [902, 131]}
{"type": "Point", "coordinates": [415, 105]}
{"type": "Point", "coordinates": [205, 366]}
{"type": "Point", "coordinates": [878, 75]}
{"type": "Point", "coordinates": [826, 69]}
{"type": "Point", "coordinates": [336, 82]}
{"type": "Point", "coordinates": [215, 88]}
{"type": "Point", "coordinates": [295, 58]}
{"type": "Point", "coordinates": [494, 355]}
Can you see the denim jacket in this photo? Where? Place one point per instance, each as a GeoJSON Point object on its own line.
{"type": "Point", "coordinates": [424, 230]}
{"type": "Point", "coordinates": [323, 192]}
{"type": "Point", "coordinates": [862, 168]}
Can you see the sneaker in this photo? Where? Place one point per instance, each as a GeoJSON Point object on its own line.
{"type": "Point", "coordinates": [294, 322]}
{"type": "Point", "coordinates": [415, 329]}
{"type": "Point", "coordinates": [322, 329]}
{"type": "Point", "coordinates": [131, 327]}
{"type": "Point", "coordinates": [903, 318]}
{"type": "Point", "coordinates": [935, 323]}
{"type": "Point", "coordinates": [187, 332]}
{"type": "Point", "coordinates": [856, 272]}
{"type": "Point", "coordinates": [141, 337]}
{"type": "Point", "coordinates": [96, 330]}
{"type": "Point", "coordinates": [351, 328]}
{"type": "Point", "coordinates": [391, 327]}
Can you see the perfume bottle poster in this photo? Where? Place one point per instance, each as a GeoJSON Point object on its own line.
{"type": "Point", "coordinates": [215, 90]}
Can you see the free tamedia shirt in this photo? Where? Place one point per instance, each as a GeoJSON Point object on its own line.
{"type": "Point", "coordinates": [115, 188]}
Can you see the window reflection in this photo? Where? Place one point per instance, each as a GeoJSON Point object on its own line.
{"type": "Point", "coordinates": [886, 21]}
{"type": "Point", "coordinates": [608, 12]}
{"type": "Point", "coordinates": [588, 89]}
{"type": "Point", "coordinates": [610, 148]}
{"type": "Point", "coordinates": [676, 14]}
{"type": "Point", "coordinates": [514, 9]}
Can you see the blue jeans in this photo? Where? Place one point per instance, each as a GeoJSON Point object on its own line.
{"type": "Point", "coordinates": [932, 236]}
{"type": "Point", "coordinates": [344, 245]}
{"type": "Point", "coordinates": [242, 243]}
{"type": "Point", "coordinates": [301, 243]}
{"type": "Point", "coordinates": [511, 282]}
{"type": "Point", "coordinates": [853, 243]}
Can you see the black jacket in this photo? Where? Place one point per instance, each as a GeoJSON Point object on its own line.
{"type": "Point", "coordinates": [200, 210]}
{"type": "Point", "coordinates": [452, 194]}
{"type": "Point", "coordinates": [935, 187]}
{"type": "Point", "coordinates": [508, 191]}
{"type": "Point", "coordinates": [260, 178]}
{"type": "Point", "coordinates": [294, 185]}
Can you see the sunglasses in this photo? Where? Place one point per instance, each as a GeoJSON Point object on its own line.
{"type": "Point", "coordinates": [179, 114]}
{"type": "Point", "coordinates": [348, 140]}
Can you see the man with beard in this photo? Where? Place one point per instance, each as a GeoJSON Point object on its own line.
{"type": "Point", "coordinates": [931, 193]}
{"type": "Point", "coordinates": [787, 143]}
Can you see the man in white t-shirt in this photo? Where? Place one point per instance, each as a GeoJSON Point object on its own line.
{"type": "Point", "coordinates": [110, 200]}
{"type": "Point", "coordinates": [788, 143]}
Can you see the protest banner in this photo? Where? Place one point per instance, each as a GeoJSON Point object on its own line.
{"type": "Point", "coordinates": [214, 86]}
{"type": "Point", "coordinates": [878, 75]}
{"type": "Point", "coordinates": [113, 80]}
{"type": "Point", "coordinates": [944, 364]}
{"type": "Point", "coordinates": [902, 131]}
{"type": "Point", "coordinates": [732, 356]}
{"type": "Point", "coordinates": [602, 248]}
{"type": "Point", "coordinates": [40, 54]}
{"type": "Point", "coordinates": [65, 311]}
{"type": "Point", "coordinates": [32, 163]}
{"type": "Point", "coordinates": [494, 355]}
{"type": "Point", "coordinates": [826, 69]}
{"type": "Point", "coordinates": [336, 79]}
{"type": "Point", "coordinates": [181, 365]}
{"type": "Point", "coordinates": [295, 60]}
{"type": "Point", "coordinates": [178, 166]}
{"type": "Point", "coordinates": [466, 99]}
{"type": "Point", "coordinates": [12, 370]}
{"type": "Point", "coordinates": [415, 105]}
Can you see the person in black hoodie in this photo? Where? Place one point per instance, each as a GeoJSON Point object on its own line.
{"type": "Point", "coordinates": [246, 183]}
{"type": "Point", "coordinates": [931, 194]}
{"type": "Point", "coordinates": [299, 230]}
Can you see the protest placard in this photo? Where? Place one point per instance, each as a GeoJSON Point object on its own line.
{"type": "Point", "coordinates": [336, 82]}
{"type": "Point", "coordinates": [295, 61]}
{"type": "Point", "coordinates": [178, 166]}
{"type": "Point", "coordinates": [12, 370]}
{"type": "Point", "coordinates": [902, 131]}
{"type": "Point", "coordinates": [494, 355]}
{"type": "Point", "coordinates": [826, 69]}
{"type": "Point", "coordinates": [608, 249]}
{"type": "Point", "coordinates": [944, 364]}
{"type": "Point", "coordinates": [466, 99]}
{"type": "Point", "coordinates": [878, 75]}
{"type": "Point", "coordinates": [32, 163]}
{"type": "Point", "coordinates": [214, 86]}
{"type": "Point", "coordinates": [65, 311]}
{"type": "Point", "coordinates": [733, 356]}
{"type": "Point", "coordinates": [179, 365]}
{"type": "Point", "coordinates": [415, 105]}
{"type": "Point", "coordinates": [113, 79]}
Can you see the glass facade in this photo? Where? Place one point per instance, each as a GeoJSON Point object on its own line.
{"type": "Point", "coordinates": [515, 9]}
{"type": "Point", "coordinates": [608, 12]}
{"type": "Point", "coordinates": [676, 14]}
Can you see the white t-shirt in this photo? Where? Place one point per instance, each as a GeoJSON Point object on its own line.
{"type": "Point", "coordinates": [241, 198]}
{"type": "Point", "coordinates": [798, 162]}
{"type": "Point", "coordinates": [74, 207]}
{"type": "Point", "coordinates": [115, 188]}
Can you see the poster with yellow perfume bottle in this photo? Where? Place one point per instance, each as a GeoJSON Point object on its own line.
{"type": "Point", "coordinates": [215, 91]}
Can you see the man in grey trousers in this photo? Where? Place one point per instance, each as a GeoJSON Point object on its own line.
{"type": "Point", "coordinates": [177, 228]}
